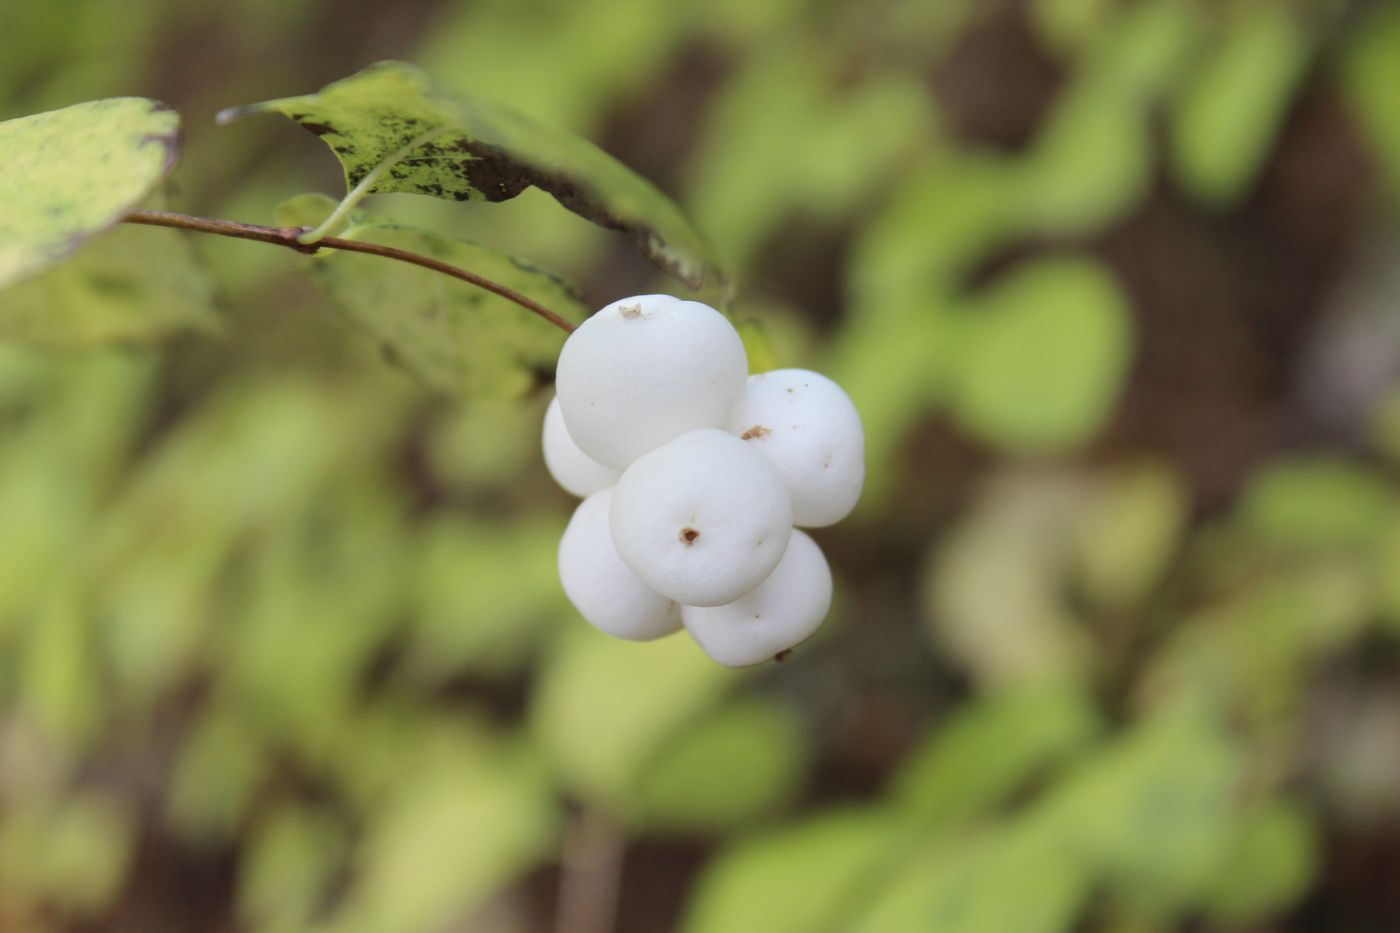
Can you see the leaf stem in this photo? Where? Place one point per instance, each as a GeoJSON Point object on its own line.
{"type": "Point", "coordinates": [290, 238]}
{"type": "Point", "coordinates": [357, 194]}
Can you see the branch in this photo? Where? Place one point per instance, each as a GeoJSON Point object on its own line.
{"type": "Point", "coordinates": [590, 871]}
{"type": "Point", "coordinates": [288, 237]}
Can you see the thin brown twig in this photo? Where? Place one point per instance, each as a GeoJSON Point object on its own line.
{"type": "Point", "coordinates": [287, 236]}
{"type": "Point", "coordinates": [589, 874]}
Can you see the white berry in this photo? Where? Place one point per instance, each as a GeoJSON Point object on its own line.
{"type": "Point", "coordinates": [810, 431]}
{"type": "Point", "coordinates": [600, 585]}
{"type": "Point", "coordinates": [571, 468]}
{"type": "Point", "coordinates": [645, 370]}
{"type": "Point", "coordinates": [778, 614]}
{"type": "Point", "coordinates": [703, 519]}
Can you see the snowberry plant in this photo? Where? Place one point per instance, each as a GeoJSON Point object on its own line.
{"type": "Point", "coordinates": [694, 474]}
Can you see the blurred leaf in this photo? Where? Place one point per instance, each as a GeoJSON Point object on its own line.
{"type": "Point", "coordinates": [219, 768]}
{"type": "Point", "coordinates": [319, 601]}
{"type": "Point", "coordinates": [993, 592]}
{"type": "Point", "coordinates": [800, 878]}
{"type": "Point", "coordinates": [1129, 533]}
{"type": "Point", "coordinates": [1225, 120]}
{"type": "Point", "coordinates": [58, 468]}
{"type": "Point", "coordinates": [287, 867]}
{"type": "Point", "coordinates": [1316, 503]}
{"type": "Point", "coordinates": [72, 851]}
{"type": "Point", "coordinates": [944, 216]}
{"type": "Point", "coordinates": [74, 172]}
{"type": "Point", "coordinates": [1146, 48]}
{"type": "Point", "coordinates": [458, 339]}
{"type": "Point", "coordinates": [113, 292]}
{"type": "Point", "coordinates": [485, 444]}
{"type": "Point", "coordinates": [1093, 158]}
{"type": "Point", "coordinates": [255, 457]}
{"type": "Point", "coordinates": [1369, 71]}
{"type": "Point", "coordinates": [450, 831]}
{"type": "Point", "coordinates": [1271, 863]}
{"type": "Point", "coordinates": [1067, 25]}
{"type": "Point", "coordinates": [486, 593]}
{"type": "Point", "coordinates": [501, 49]}
{"type": "Point", "coordinates": [605, 707]}
{"type": "Point", "coordinates": [1047, 350]}
{"type": "Point", "coordinates": [899, 348]}
{"type": "Point", "coordinates": [988, 750]}
{"type": "Point", "coordinates": [725, 771]}
{"type": "Point", "coordinates": [752, 177]}
{"type": "Point", "coordinates": [62, 689]}
{"type": "Point", "coordinates": [1154, 812]}
{"type": "Point", "coordinates": [758, 346]}
{"type": "Point", "coordinates": [388, 118]}
{"type": "Point", "coordinates": [1019, 878]}
{"type": "Point", "coordinates": [1256, 645]}
{"type": "Point", "coordinates": [1090, 163]}
{"type": "Point", "coordinates": [1384, 560]}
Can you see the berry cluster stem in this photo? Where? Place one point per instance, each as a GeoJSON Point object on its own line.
{"type": "Point", "coordinates": [290, 238]}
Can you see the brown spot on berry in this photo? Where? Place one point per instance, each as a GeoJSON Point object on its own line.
{"type": "Point", "coordinates": [783, 655]}
{"type": "Point", "coordinates": [688, 536]}
{"type": "Point", "coordinates": [757, 430]}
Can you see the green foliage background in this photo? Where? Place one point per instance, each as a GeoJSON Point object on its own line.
{"type": "Point", "coordinates": [1117, 632]}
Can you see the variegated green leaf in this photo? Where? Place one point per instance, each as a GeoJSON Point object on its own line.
{"type": "Point", "coordinates": [392, 129]}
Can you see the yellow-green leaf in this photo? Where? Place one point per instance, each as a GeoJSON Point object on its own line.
{"type": "Point", "coordinates": [74, 172]}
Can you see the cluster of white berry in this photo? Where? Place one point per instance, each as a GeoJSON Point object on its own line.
{"type": "Point", "coordinates": [693, 474]}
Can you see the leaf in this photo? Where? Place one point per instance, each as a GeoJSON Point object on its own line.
{"type": "Point", "coordinates": [458, 339]}
{"type": "Point", "coordinates": [1093, 159]}
{"type": "Point", "coordinates": [1226, 119]}
{"type": "Point", "coordinates": [989, 749]}
{"type": "Point", "coordinates": [1090, 164]}
{"type": "Point", "coordinates": [129, 286]}
{"type": "Point", "coordinates": [216, 776]}
{"type": "Point", "coordinates": [1048, 348]}
{"type": "Point", "coordinates": [1129, 534]}
{"type": "Point", "coordinates": [60, 683]}
{"type": "Point", "coordinates": [471, 149]}
{"type": "Point", "coordinates": [1317, 503]}
{"type": "Point", "coordinates": [1155, 812]}
{"type": "Point", "coordinates": [485, 593]}
{"type": "Point", "coordinates": [75, 850]}
{"type": "Point", "coordinates": [456, 824]}
{"type": "Point", "coordinates": [994, 590]}
{"type": "Point", "coordinates": [604, 707]}
{"type": "Point", "coordinates": [723, 771]}
{"type": "Point", "coordinates": [72, 173]}
{"type": "Point", "coordinates": [1270, 865]}
{"type": "Point", "coordinates": [961, 885]}
{"type": "Point", "coordinates": [758, 345]}
{"type": "Point", "coordinates": [801, 878]}
{"type": "Point", "coordinates": [289, 861]}
{"type": "Point", "coordinates": [1370, 69]}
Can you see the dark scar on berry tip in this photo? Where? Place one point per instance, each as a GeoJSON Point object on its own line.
{"type": "Point", "coordinates": [688, 535]}
{"type": "Point", "coordinates": [783, 655]}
